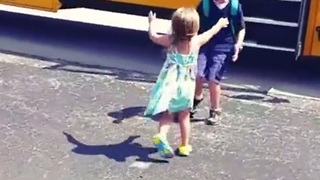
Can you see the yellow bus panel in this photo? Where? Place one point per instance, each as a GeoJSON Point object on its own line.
{"type": "Point", "coordinates": [169, 4]}
{"type": "Point", "coordinates": [47, 5]}
{"type": "Point", "coordinates": [310, 29]}
{"type": "Point", "coordinates": [315, 50]}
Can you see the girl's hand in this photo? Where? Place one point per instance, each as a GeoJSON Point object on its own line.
{"type": "Point", "coordinates": [152, 16]}
{"type": "Point", "coordinates": [223, 22]}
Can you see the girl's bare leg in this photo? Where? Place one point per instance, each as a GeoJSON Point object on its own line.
{"type": "Point", "coordinates": [185, 127]}
{"type": "Point", "coordinates": [165, 123]}
{"type": "Point", "coordinates": [160, 139]}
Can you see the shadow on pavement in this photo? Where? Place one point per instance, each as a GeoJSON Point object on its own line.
{"type": "Point", "coordinates": [127, 113]}
{"type": "Point", "coordinates": [125, 75]}
{"type": "Point", "coordinates": [277, 100]}
{"type": "Point", "coordinates": [119, 73]}
{"type": "Point", "coordinates": [118, 152]}
{"type": "Point", "coordinates": [69, 66]}
{"type": "Point", "coordinates": [130, 112]}
{"type": "Point", "coordinates": [247, 97]}
{"type": "Point", "coordinates": [259, 97]}
{"type": "Point", "coordinates": [244, 90]}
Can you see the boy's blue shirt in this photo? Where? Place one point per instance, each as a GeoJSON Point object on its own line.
{"type": "Point", "coordinates": [225, 39]}
{"type": "Point", "coordinates": [224, 35]}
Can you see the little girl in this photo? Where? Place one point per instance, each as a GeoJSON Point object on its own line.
{"type": "Point", "coordinates": [174, 90]}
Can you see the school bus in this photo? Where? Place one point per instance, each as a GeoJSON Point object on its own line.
{"type": "Point", "coordinates": [291, 26]}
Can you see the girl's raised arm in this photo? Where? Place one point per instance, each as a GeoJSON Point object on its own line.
{"type": "Point", "coordinates": [163, 40]}
{"type": "Point", "coordinates": [203, 38]}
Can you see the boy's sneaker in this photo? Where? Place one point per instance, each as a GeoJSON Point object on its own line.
{"type": "Point", "coordinates": [162, 146]}
{"type": "Point", "coordinates": [185, 150]}
{"type": "Point", "coordinates": [214, 117]}
{"type": "Point", "coordinates": [196, 103]}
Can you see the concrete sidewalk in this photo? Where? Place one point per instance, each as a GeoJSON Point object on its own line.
{"type": "Point", "coordinates": [65, 125]}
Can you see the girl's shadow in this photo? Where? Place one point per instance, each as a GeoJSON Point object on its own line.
{"type": "Point", "coordinates": [118, 152]}
{"type": "Point", "coordinates": [127, 113]}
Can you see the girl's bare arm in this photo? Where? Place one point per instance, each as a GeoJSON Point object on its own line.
{"type": "Point", "coordinates": [206, 36]}
{"type": "Point", "coordinates": [163, 40]}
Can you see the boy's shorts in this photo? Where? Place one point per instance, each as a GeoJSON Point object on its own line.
{"type": "Point", "coordinates": [212, 66]}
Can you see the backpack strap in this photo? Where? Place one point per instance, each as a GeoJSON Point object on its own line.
{"type": "Point", "coordinates": [206, 7]}
{"type": "Point", "coordinates": [234, 5]}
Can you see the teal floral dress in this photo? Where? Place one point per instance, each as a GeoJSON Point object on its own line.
{"type": "Point", "coordinates": [175, 86]}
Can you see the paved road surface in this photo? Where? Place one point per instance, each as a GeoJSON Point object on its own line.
{"type": "Point", "coordinates": [69, 125]}
{"type": "Point", "coordinates": [65, 120]}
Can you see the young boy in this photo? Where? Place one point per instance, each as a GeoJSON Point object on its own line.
{"type": "Point", "coordinates": [223, 48]}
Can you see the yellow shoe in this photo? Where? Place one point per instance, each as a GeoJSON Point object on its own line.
{"type": "Point", "coordinates": [162, 146]}
{"type": "Point", "coordinates": [185, 150]}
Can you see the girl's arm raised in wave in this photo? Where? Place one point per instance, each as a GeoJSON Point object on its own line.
{"type": "Point", "coordinates": [207, 35]}
{"type": "Point", "coordinates": [163, 40]}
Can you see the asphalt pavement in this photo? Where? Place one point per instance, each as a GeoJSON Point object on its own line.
{"type": "Point", "coordinates": [72, 96]}
{"type": "Point", "coordinates": [66, 125]}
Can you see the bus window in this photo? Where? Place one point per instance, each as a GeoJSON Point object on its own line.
{"type": "Point", "coordinates": [47, 5]}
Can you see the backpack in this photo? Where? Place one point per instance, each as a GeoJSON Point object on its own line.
{"type": "Point", "coordinates": [234, 11]}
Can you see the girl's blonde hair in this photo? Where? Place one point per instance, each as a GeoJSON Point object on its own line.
{"type": "Point", "coordinates": [185, 24]}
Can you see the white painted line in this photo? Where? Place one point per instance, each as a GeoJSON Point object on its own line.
{"type": "Point", "coordinates": [275, 92]}
{"type": "Point", "coordinates": [270, 92]}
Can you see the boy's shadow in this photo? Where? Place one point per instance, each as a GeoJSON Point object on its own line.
{"type": "Point", "coordinates": [127, 113]}
{"type": "Point", "coordinates": [118, 152]}
{"type": "Point", "coordinates": [274, 100]}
